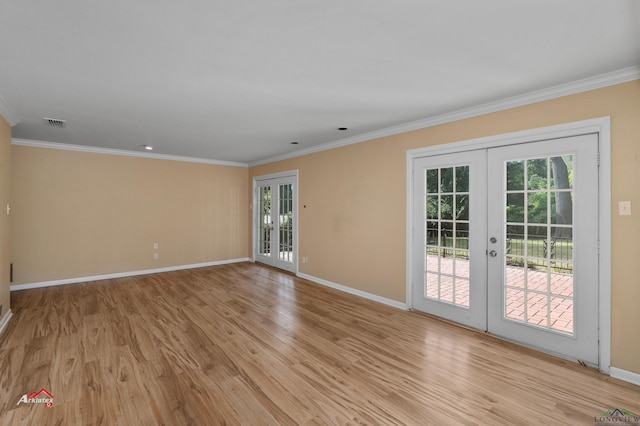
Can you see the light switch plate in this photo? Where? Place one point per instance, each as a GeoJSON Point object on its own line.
{"type": "Point", "coordinates": [624, 208]}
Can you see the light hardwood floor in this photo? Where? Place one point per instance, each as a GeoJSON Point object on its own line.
{"type": "Point", "coordinates": [246, 344]}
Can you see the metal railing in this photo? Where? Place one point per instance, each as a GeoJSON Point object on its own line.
{"type": "Point", "coordinates": [557, 251]}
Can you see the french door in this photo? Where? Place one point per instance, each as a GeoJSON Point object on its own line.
{"type": "Point", "coordinates": [508, 242]}
{"type": "Point", "coordinates": [449, 202]}
{"type": "Point", "coordinates": [275, 222]}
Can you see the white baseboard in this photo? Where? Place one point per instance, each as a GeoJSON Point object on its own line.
{"type": "Point", "coordinates": [123, 274]}
{"type": "Point", "coordinates": [5, 320]}
{"type": "Point", "coordinates": [625, 375]}
{"type": "Point", "coordinates": [356, 292]}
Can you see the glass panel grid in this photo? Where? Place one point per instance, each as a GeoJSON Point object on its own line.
{"type": "Point", "coordinates": [447, 235]}
{"type": "Point", "coordinates": [538, 275]}
{"type": "Point", "coordinates": [285, 222]}
{"type": "Point", "coordinates": [264, 245]}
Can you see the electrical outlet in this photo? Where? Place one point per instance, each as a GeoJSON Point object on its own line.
{"type": "Point", "coordinates": [155, 246]}
{"type": "Point", "coordinates": [155, 256]}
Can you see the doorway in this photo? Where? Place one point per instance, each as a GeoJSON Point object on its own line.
{"type": "Point", "coordinates": [275, 220]}
{"type": "Point", "coordinates": [505, 239]}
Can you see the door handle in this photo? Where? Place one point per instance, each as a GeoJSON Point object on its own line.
{"type": "Point", "coordinates": [493, 253]}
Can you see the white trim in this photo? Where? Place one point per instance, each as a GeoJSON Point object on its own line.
{"type": "Point", "coordinates": [122, 152]}
{"type": "Point", "coordinates": [123, 274]}
{"type": "Point", "coordinates": [288, 173]}
{"type": "Point", "coordinates": [604, 231]}
{"type": "Point", "coordinates": [5, 320]}
{"type": "Point", "coordinates": [583, 85]}
{"type": "Point", "coordinates": [625, 375]}
{"type": "Point", "coordinates": [601, 126]}
{"type": "Point", "coordinates": [355, 292]}
{"type": "Point", "coordinates": [583, 127]}
{"type": "Point", "coordinates": [408, 240]}
{"type": "Point", "coordinates": [7, 113]}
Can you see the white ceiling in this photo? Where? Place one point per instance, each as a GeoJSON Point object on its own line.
{"type": "Point", "coordinates": [238, 80]}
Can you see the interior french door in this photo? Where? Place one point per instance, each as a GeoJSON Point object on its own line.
{"type": "Point", "coordinates": [515, 228]}
{"type": "Point", "coordinates": [275, 222]}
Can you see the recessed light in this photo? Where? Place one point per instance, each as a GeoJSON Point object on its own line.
{"type": "Point", "coordinates": [342, 128]}
{"type": "Point", "coordinates": [295, 143]}
{"type": "Point", "coordinates": [148, 147]}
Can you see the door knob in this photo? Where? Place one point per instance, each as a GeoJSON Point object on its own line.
{"type": "Point", "coordinates": [493, 253]}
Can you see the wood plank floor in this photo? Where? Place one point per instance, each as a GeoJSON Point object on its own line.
{"type": "Point", "coordinates": [246, 344]}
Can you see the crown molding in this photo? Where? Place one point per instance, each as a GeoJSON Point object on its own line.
{"type": "Point", "coordinates": [121, 152]}
{"type": "Point", "coordinates": [578, 86]}
{"type": "Point", "coordinates": [7, 113]}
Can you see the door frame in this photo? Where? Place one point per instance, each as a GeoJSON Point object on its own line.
{"type": "Point", "coordinates": [600, 126]}
{"type": "Point", "coordinates": [255, 207]}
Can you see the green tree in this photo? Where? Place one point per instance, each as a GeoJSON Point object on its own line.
{"type": "Point", "coordinates": [563, 200]}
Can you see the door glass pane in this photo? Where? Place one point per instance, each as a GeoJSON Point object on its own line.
{"type": "Point", "coordinates": [537, 174]}
{"type": "Point", "coordinates": [515, 272]}
{"type": "Point", "coordinates": [447, 235]}
{"type": "Point", "coordinates": [432, 181]}
{"type": "Point", "coordinates": [537, 207]}
{"type": "Point", "coordinates": [562, 172]}
{"type": "Point", "coordinates": [285, 222]}
{"type": "Point", "coordinates": [515, 304]}
{"type": "Point", "coordinates": [515, 207]}
{"type": "Point", "coordinates": [446, 207]}
{"type": "Point", "coordinates": [515, 175]}
{"type": "Point", "coordinates": [446, 180]}
{"type": "Point", "coordinates": [538, 285]}
{"type": "Point", "coordinates": [462, 207]}
{"type": "Point", "coordinates": [432, 286]}
{"type": "Point", "coordinates": [462, 179]}
{"type": "Point", "coordinates": [264, 245]}
{"type": "Point", "coordinates": [432, 206]}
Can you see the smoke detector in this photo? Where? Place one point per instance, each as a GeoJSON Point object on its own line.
{"type": "Point", "coordinates": [55, 122]}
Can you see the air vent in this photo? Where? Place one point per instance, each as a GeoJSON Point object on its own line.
{"type": "Point", "coordinates": [55, 122]}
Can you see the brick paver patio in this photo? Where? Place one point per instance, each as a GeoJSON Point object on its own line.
{"type": "Point", "coordinates": [550, 309]}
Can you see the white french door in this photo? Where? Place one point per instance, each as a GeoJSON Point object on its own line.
{"type": "Point", "coordinates": [506, 240]}
{"type": "Point", "coordinates": [543, 267]}
{"type": "Point", "coordinates": [275, 221]}
{"type": "Point", "coordinates": [449, 205]}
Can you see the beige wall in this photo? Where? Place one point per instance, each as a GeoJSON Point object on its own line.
{"type": "Point", "coordinates": [353, 228]}
{"type": "Point", "coordinates": [78, 214]}
{"type": "Point", "coordinates": [5, 174]}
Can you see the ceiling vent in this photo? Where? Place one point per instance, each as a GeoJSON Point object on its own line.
{"type": "Point", "coordinates": [55, 122]}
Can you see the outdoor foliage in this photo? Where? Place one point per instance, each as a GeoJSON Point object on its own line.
{"type": "Point", "coordinates": [543, 186]}
{"type": "Point", "coordinates": [538, 193]}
